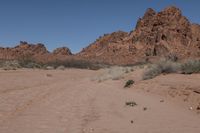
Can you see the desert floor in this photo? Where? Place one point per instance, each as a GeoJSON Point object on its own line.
{"type": "Point", "coordinates": [72, 101]}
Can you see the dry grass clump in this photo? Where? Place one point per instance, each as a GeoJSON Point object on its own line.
{"type": "Point", "coordinates": [9, 64]}
{"type": "Point", "coordinates": [27, 61]}
{"type": "Point", "coordinates": [114, 73]}
{"type": "Point", "coordinates": [167, 66]}
{"type": "Point", "coordinates": [163, 66]}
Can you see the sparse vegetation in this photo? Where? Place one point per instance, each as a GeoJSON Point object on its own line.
{"type": "Point", "coordinates": [169, 66]}
{"type": "Point", "coordinates": [9, 64]}
{"type": "Point", "coordinates": [129, 83]}
{"type": "Point", "coordinates": [72, 63]}
{"type": "Point", "coordinates": [27, 61]}
{"type": "Point", "coordinates": [191, 66]}
{"type": "Point", "coordinates": [172, 57]}
{"type": "Point", "coordinates": [163, 66]}
{"type": "Point", "coordinates": [114, 73]}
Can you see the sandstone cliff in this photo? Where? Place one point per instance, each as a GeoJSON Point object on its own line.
{"type": "Point", "coordinates": [157, 34]}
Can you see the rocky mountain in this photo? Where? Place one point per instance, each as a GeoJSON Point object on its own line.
{"type": "Point", "coordinates": [156, 34]}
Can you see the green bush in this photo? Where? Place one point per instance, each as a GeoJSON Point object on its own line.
{"type": "Point", "coordinates": [129, 83]}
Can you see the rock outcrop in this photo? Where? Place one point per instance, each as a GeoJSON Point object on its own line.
{"type": "Point", "coordinates": [62, 51]}
{"type": "Point", "coordinates": [23, 50]}
{"type": "Point", "coordinates": [37, 52]}
{"type": "Point", "coordinates": [155, 35]}
{"type": "Point", "coordinates": [104, 47]}
{"type": "Point", "coordinates": [165, 32]}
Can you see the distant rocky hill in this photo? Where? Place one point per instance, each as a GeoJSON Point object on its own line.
{"type": "Point", "coordinates": [37, 52]}
{"type": "Point", "coordinates": [156, 35]}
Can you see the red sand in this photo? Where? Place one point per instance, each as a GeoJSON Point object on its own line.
{"type": "Point", "coordinates": [41, 101]}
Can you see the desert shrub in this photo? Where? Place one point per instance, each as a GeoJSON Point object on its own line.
{"type": "Point", "coordinates": [129, 83]}
{"type": "Point", "coordinates": [9, 64]}
{"type": "Point", "coordinates": [72, 63]}
{"type": "Point", "coordinates": [27, 61]}
{"type": "Point", "coordinates": [151, 72]}
{"type": "Point", "coordinates": [191, 66]}
{"type": "Point", "coordinates": [163, 66]}
{"type": "Point", "coordinates": [168, 66]}
{"type": "Point", "coordinates": [172, 57]}
{"type": "Point", "coordinates": [117, 72]}
{"type": "Point", "coordinates": [131, 103]}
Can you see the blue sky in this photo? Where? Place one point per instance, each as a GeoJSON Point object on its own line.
{"type": "Point", "coordinates": [76, 23]}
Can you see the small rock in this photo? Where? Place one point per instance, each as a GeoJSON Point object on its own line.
{"type": "Point", "coordinates": [61, 68]}
{"type": "Point", "coordinates": [48, 75]}
{"type": "Point", "coordinates": [132, 121]}
{"type": "Point", "coordinates": [50, 68]}
{"type": "Point", "coordinates": [162, 101]}
{"type": "Point", "coordinates": [190, 108]}
{"type": "Point", "coordinates": [145, 108]}
{"type": "Point", "coordinates": [198, 108]}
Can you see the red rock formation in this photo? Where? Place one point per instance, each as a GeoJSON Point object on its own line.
{"type": "Point", "coordinates": [156, 35]}
{"type": "Point", "coordinates": [62, 51]}
{"type": "Point", "coordinates": [23, 49]}
{"type": "Point", "coordinates": [104, 48]}
{"type": "Point", "coordinates": [37, 52]}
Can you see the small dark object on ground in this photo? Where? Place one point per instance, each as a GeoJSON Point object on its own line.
{"type": "Point", "coordinates": [48, 75]}
{"type": "Point", "coordinates": [145, 108]}
{"type": "Point", "coordinates": [198, 108]}
{"type": "Point", "coordinates": [129, 83]}
{"type": "Point", "coordinates": [131, 103]}
{"type": "Point", "coordinates": [161, 101]}
{"type": "Point", "coordinates": [132, 121]}
{"type": "Point", "coordinates": [198, 92]}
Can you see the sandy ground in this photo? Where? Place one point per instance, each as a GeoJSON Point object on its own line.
{"type": "Point", "coordinates": [56, 101]}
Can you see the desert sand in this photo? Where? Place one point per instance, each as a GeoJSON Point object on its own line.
{"type": "Point", "coordinates": [71, 101]}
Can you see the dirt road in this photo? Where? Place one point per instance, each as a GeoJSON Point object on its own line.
{"type": "Point", "coordinates": [56, 101]}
